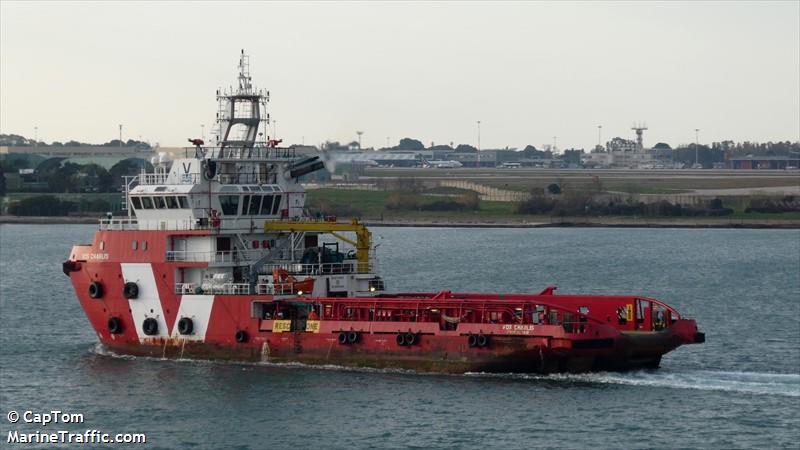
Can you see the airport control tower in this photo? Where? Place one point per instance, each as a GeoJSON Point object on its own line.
{"type": "Point", "coordinates": [639, 129]}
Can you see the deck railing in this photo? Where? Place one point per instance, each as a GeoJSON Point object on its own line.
{"type": "Point", "coordinates": [236, 289]}
{"type": "Point", "coordinates": [245, 153]}
{"type": "Point", "coordinates": [350, 266]}
{"type": "Point", "coordinates": [230, 256]}
{"type": "Point", "coordinates": [136, 224]}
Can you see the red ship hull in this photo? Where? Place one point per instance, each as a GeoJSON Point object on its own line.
{"type": "Point", "coordinates": [229, 327]}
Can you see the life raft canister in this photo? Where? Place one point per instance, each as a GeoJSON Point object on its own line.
{"type": "Point", "coordinates": [150, 326]}
{"type": "Point", "coordinates": [96, 290]}
{"type": "Point", "coordinates": [130, 290]}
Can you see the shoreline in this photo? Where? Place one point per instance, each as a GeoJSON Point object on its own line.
{"type": "Point", "coordinates": [555, 222]}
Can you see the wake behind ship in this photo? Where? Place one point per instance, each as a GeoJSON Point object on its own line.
{"type": "Point", "coordinates": [218, 258]}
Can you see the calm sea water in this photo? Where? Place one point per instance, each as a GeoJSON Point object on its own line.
{"type": "Point", "coordinates": [739, 390]}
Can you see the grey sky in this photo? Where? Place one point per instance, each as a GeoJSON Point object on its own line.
{"type": "Point", "coordinates": [527, 71]}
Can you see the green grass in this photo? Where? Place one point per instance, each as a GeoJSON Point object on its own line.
{"type": "Point", "coordinates": [372, 205]}
{"type": "Point", "coordinates": [622, 180]}
{"type": "Point", "coordinates": [369, 203]}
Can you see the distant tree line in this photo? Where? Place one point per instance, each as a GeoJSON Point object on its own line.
{"type": "Point", "coordinates": [68, 177]}
{"type": "Point", "coordinates": [49, 205]}
{"type": "Point", "coordinates": [15, 140]}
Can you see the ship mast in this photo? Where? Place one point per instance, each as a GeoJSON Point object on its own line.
{"type": "Point", "coordinates": [239, 113]}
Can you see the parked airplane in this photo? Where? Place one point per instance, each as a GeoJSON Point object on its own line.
{"type": "Point", "coordinates": [441, 164]}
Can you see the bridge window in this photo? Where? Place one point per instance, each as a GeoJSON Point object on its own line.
{"type": "Point", "coordinates": [266, 205]}
{"type": "Point", "coordinates": [276, 205]}
{"type": "Point", "coordinates": [245, 204]}
{"type": "Point", "coordinates": [229, 204]}
{"type": "Point", "coordinates": [255, 204]}
{"type": "Point", "coordinates": [172, 203]}
{"type": "Point", "coordinates": [159, 202]}
{"type": "Point", "coordinates": [147, 203]}
{"type": "Point", "coordinates": [183, 201]}
{"type": "Point", "coordinates": [137, 202]}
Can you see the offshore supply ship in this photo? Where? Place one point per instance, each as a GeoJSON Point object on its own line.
{"type": "Point", "coordinates": [218, 258]}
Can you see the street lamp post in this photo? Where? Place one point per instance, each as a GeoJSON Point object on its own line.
{"type": "Point", "coordinates": [599, 136]}
{"type": "Point", "coordinates": [696, 145]}
{"type": "Point", "coordinates": [479, 144]}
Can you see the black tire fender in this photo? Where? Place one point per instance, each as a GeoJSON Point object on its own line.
{"type": "Point", "coordinates": [150, 326]}
{"type": "Point", "coordinates": [96, 290]}
{"type": "Point", "coordinates": [241, 336]}
{"type": "Point", "coordinates": [185, 325]}
{"type": "Point", "coordinates": [130, 290]}
{"type": "Point", "coordinates": [114, 325]}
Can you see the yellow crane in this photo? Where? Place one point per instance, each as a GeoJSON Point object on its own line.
{"type": "Point", "coordinates": [363, 236]}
